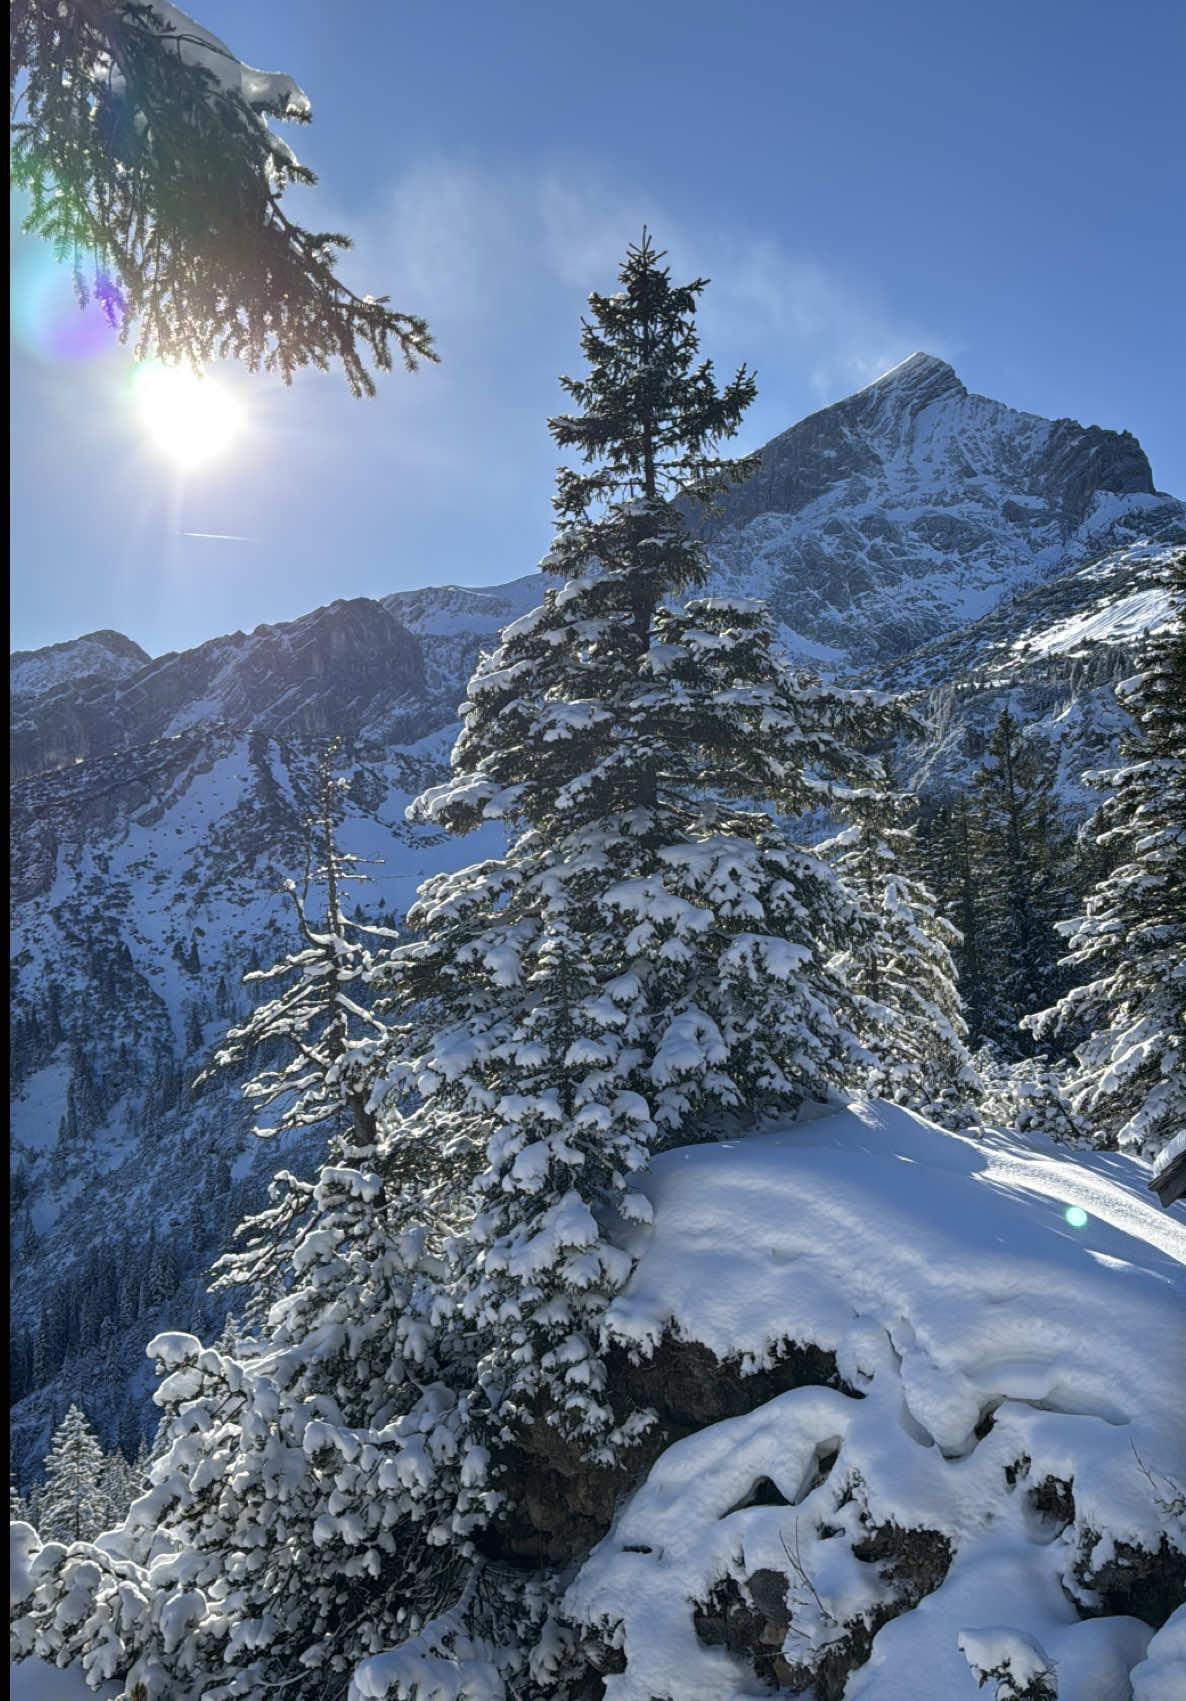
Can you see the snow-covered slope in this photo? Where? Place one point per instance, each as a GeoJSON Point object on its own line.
{"type": "Point", "coordinates": [1052, 656]}
{"type": "Point", "coordinates": [97, 658]}
{"type": "Point", "coordinates": [1002, 1440]}
{"type": "Point", "coordinates": [145, 883]}
{"type": "Point", "coordinates": [955, 1446]}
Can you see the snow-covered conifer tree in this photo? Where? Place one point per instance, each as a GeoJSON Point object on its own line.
{"type": "Point", "coordinates": [948, 864]}
{"type": "Point", "coordinates": [1021, 854]}
{"type": "Point", "coordinates": [903, 972]}
{"type": "Point", "coordinates": [1127, 1083]}
{"type": "Point", "coordinates": [317, 1019]}
{"type": "Point", "coordinates": [649, 963]}
{"type": "Point", "coordinates": [71, 1506]}
{"type": "Point", "coordinates": [119, 1484]}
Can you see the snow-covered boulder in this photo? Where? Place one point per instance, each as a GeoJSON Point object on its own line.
{"type": "Point", "coordinates": [996, 1468]}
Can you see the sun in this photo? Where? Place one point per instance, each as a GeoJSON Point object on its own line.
{"type": "Point", "coordinates": [192, 420]}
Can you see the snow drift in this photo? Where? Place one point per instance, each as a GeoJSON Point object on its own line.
{"type": "Point", "coordinates": [999, 1473]}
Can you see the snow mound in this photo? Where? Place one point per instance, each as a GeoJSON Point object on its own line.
{"type": "Point", "coordinates": [1000, 1454]}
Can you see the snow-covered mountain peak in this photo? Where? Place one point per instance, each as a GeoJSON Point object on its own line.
{"type": "Point", "coordinates": [878, 523]}
{"type": "Point", "coordinates": [104, 655]}
{"type": "Point", "coordinates": [915, 382]}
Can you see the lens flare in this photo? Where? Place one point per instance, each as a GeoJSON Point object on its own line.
{"type": "Point", "coordinates": [45, 316]}
{"type": "Point", "coordinates": [189, 419]}
{"type": "Point", "coordinates": [1075, 1216]}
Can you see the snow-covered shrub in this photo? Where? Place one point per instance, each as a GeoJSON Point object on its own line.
{"type": "Point", "coordinates": [1027, 1095]}
{"type": "Point", "coordinates": [901, 968]}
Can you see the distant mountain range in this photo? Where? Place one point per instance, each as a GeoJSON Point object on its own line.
{"type": "Point", "coordinates": [914, 536]}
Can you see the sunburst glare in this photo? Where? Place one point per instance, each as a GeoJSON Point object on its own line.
{"type": "Point", "coordinates": [192, 420]}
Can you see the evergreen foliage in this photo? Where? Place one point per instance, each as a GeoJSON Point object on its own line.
{"type": "Point", "coordinates": [948, 861]}
{"type": "Point", "coordinates": [1003, 866]}
{"type": "Point", "coordinates": [144, 147]}
{"type": "Point", "coordinates": [1028, 1094]}
{"type": "Point", "coordinates": [72, 1505]}
{"type": "Point", "coordinates": [317, 1019]}
{"type": "Point", "coordinates": [657, 957]}
{"type": "Point", "coordinates": [1022, 856]}
{"type": "Point", "coordinates": [903, 970]}
{"type": "Point", "coordinates": [1127, 1083]}
{"type": "Point", "coordinates": [650, 960]}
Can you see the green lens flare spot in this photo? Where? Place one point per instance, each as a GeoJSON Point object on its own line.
{"type": "Point", "coordinates": [1075, 1216]}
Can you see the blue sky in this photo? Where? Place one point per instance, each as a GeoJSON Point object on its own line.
{"type": "Point", "coordinates": [999, 185]}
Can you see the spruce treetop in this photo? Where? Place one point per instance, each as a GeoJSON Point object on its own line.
{"type": "Point", "coordinates": [651, 417]}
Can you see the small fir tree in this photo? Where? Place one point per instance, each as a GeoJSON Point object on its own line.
{"type": "Point", "coordinates": [904, 972]}
{"type": "Point", "coordinates": [71, 1506]}
{"type": "Point", "coordinates": [1127, 1083]}
{"type": "Point", "coordinates": [118, 1485]}
{"type": "Point", "coordinates": [317, 1019]}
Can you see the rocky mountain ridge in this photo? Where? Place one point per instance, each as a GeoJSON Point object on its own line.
{"type": "Point", "coordinates": [158, 802]}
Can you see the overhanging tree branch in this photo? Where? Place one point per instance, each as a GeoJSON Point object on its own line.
{"type": "Point", "coordinates": [144, 148]}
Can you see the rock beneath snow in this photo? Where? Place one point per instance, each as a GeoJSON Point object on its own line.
{"type": "Point", "coordinates": [1007, 1388]}
{"type": "Point", "coordinates": [560, 1504]}
{"type": "Point", "coordinates": [1161, 1675]}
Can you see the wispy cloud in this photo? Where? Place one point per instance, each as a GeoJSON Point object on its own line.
{"type": "Point", "coordinates": [500, 262]}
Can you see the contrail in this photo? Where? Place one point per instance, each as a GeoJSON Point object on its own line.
{"type": "Point", "coordinates": [220, 537]}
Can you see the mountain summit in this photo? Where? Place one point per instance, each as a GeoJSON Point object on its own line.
{"type": "Point", "coordinates": [877, 523]}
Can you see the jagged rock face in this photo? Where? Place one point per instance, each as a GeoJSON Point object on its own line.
{"type": "Point", "coordinates": [451, 624]}
{"type": "Point", "coordinates": [877, 524]}
{"type": "Point", "coordinates": [919, 429]}
{"type": "Point", "coordinates": [48, 687]}
{"type": "Point", "coordinates": [315, 677]}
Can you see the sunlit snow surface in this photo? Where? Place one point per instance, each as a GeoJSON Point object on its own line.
{"type": "Point", "coordinates": [945, 1276]}
{"type": "Point", "coordinates": [1125, 621]}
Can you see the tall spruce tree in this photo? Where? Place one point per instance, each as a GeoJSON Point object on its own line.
{"type": "Point", "coordinates": [1022, 856]}
{"type": "Point", "coordinates": [649, 962]}
{"type": "Point", "coordinates": [948, 861]}
{"type": "Point", "coordinates": [1127, 1083]}
{"type": "Point", "coordinates": [316, 1021]}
